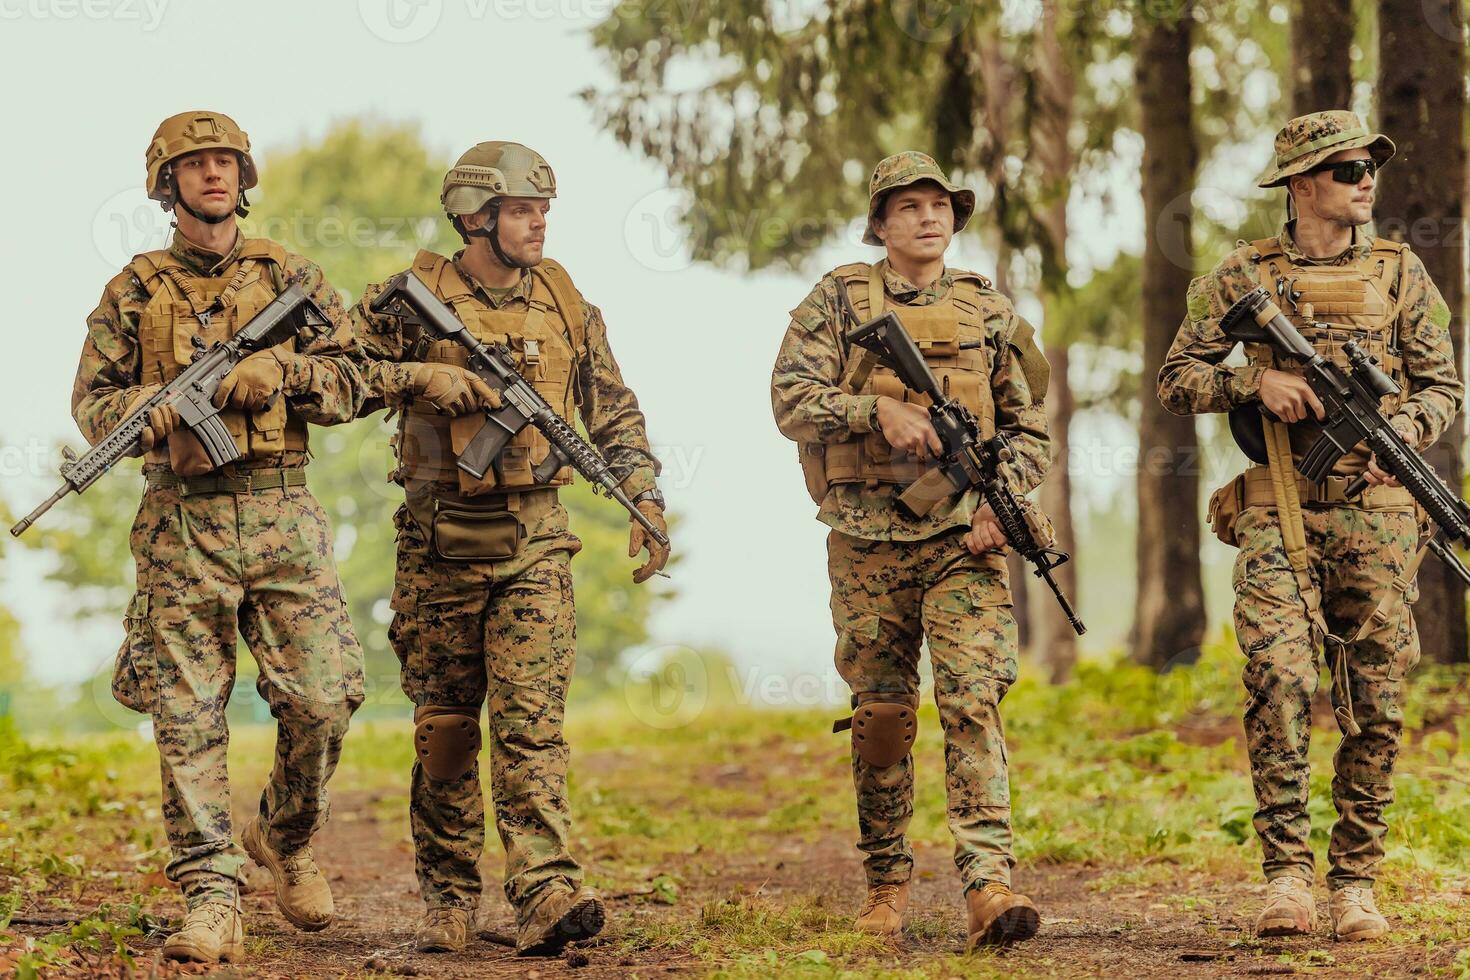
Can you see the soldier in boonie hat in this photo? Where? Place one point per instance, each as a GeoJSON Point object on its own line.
{"type": "Point", "coordinates": [910, 167]}
{"type": "Point", "coordinates": [1307, 140]}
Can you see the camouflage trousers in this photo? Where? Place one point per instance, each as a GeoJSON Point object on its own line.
{"type": "Point", "coordinates": [503, 630]}
{"type": "Point", "coordinates": [887, 597]}
{"type": "Point", "coordinates": [1355, 555]}
{"type": "Point", "coordinates": [207, 566]}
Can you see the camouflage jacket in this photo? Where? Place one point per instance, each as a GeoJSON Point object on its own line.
{"type": "Point", "coordinates": [325, 387]}
{"type": "Point", "coordinates": [609, 409]}
{"type": "Point", "coordinates": [809, 407]}
{"type": "Point", "coordinates": [1194, 379]}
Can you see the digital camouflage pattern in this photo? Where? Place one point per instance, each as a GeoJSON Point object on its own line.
{"type": "Point", "coordinates": [887, 598]}
{"type": "Point", "coordinates": [910, 167]}
{"type": "Point", "coordinates": [809, 407]}
{"type": "Point", "coordinates": [505, 630]}
{"type": "Point", "coordinates": [1354, 554]}
{"type": "Point", "coordinates": [206, 562]}
{"type": "Point", "coordinates": [1307, 140]}
{"type": "Point", "coordinates": [1195, 379]}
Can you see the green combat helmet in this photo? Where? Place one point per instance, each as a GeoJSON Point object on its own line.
{"type": "Point", "coordinates": [910, 167]}
{"type": "Point", "coordinates": [189, 132]}
{"type": "Point", "coordinates": [487, 172]}
{"type": "Point", "coordinates": [1307, 140]}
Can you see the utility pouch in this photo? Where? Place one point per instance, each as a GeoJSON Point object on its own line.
{"type": "Point", "coordinates": [465, 533]}
{"type": "Point", "coordinates": [1226, 504]}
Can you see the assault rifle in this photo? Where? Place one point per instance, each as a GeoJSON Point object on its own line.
{"type": "Point", "coordinates": [1350, 400]}
{"type": "Point", "coordinates": [968, 461]}
{"type": "Point", "coordinates": [192, 395]}
{"type": "Point", "coordinates": [407, 297]}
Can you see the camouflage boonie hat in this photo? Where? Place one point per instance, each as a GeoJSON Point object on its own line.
{"type": "Point", "coordinates": [1308, 140]}
{"type": "Point", "coordinates": [910, 167]}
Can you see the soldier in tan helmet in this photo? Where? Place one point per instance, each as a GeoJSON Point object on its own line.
{"type": "Point", "coordinates": [246, 544]}
{"type": "Point", "coordinates": [483, 607]}
{"type": "Point", "coordinates": [1341, 567]}
{"type": "Point", "coordinates": [896, 580]}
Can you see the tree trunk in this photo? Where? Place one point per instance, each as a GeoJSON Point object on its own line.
{"type": "Point", "coordinates": [1050, 143]}
{"type": "Point", "coordinates": [1169, 608]}
{"type": "Point", "coordinates": [1321, 72]}
{"type": "Point", "coordinates": [1421, 200]}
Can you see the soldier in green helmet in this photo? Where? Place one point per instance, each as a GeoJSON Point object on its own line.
{"type": "Point", "coordinates": [243, 549]}
{"type": "Point", "coordinates": [483, 602]}
{"type": "Point", "coordinates": [897, 580]}
{"type": "Point", "coordinates": [1341, 568]}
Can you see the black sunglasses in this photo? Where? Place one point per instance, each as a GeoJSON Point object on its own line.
{"type": "Point", "coordinates": [1348, 171]}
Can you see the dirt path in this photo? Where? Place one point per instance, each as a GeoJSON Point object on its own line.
{"type": "Point", "coordinates": [1195, 926]}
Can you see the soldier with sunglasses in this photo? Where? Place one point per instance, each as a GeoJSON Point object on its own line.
{"type": "Point", "coordinates": [1335, 573]}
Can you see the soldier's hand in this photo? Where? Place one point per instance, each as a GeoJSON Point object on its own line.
{"type": "Point", "coordinates": [162, 419]}
{"type": "Point", "coordinates": [638, 539]}
{"type": "Point", "coordinates": [252, 384]}
{"type": "Point", "coordinates": [907, 427]}
{"type": "Point", "coordinates": [1289, 397]}
{"type": "Point", "coordinates": [1377, 476]}
{"type": "Point", "coordinates": [985, 533]}
{"type": "Point", "coordinates": [453, 390]}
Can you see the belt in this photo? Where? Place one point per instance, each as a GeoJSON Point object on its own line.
{"type": "Point", "coordinates": [1259, 492]}
{"type": "Point", "coordinates": [254, 481]}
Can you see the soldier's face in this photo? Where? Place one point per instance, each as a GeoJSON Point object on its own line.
{"type": "Point", "coordinates": [917, 222]}
{"type": "Point", "coordinates": [522, 228]}
{"type": "Point", "coordinates": [1346, 205]}
{"type": "Point", "coordinates": [209, 181]}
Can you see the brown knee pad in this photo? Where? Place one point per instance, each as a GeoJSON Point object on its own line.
{"type": "Point", "coordinates": [446, 739]}
{"type": "Point", "coordinates": [883, 726]}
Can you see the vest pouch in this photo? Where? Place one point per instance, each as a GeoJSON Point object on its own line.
{"type": "Point", "coordinates": [935, 328]}
{"type": "Point", "coordinates": [883, 382]}
{"type": "Point", "coordinates": [813, 459]}
{"type": "Point", "coordinates": [268, 428]}
{"type": "Point", "coordinates": [186, 455]}
{"type": "Point", "coordinates": [1226, 504]}
{"type": "Point", "coordinates": [462, 532]}
{"type": "Point", "coordinates": [462, 430]}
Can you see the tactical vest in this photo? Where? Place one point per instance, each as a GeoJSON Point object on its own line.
{"type": "Point", "coordinates": [548, 339]}
{"type": "Point", "coordinates": [1360, 301]}
{"type": "Point", "coordinates": [951, 335]}
{"type": "Point", "coordinates": [185, 309]}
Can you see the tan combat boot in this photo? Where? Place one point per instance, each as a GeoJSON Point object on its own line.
{"type": "Point", "coordinates": [211, 933]}
{"type": "Point", "coordinates": [999, 917]}
{"type": "Point", "coordinates": [1290, 909]}
{"type": "Point", "coordinates": [443, 930]}
{"type": "Point", "coordinates": [561, 917]}
{"type": "Point", "coordinates": [302, 892]}
{"type": "Point", "coordinates": [1355, 916]}
{"type": "Point", "coordinates": [882, 911]}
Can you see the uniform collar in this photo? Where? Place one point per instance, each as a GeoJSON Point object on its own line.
{"type": "Point", "coordinates": [906, 292]}
{"type": "Point", "coordinates": [1357, 251]}
{"type": "Point", "coordinates": [496, 298]}
{"type": "Point", "coordinates": [201, 260]}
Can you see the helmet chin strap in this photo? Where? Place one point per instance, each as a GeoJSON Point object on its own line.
{"type": "Point", "coordinates": [490, 231]}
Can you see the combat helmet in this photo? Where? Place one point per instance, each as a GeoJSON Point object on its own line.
{"type": "Point", "coordinates": [910, 167]}
{"type": "Point", "coordinates": [189, 132]}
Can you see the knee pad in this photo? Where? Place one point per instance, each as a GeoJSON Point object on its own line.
{"type": "Point", "coordinates": [446, 739]}
{"type": "Point", "coordinates": [883, 726]}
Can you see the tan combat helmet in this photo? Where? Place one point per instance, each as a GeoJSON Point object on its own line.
{"type": "Point", "coordinates": [187, 133]}
{"type": "Point", "coordinates": [1307, 140]}
{"type": "Point", "coordinates": [487, 172]}
{"type": "Point", "coordinates": [910, 167]}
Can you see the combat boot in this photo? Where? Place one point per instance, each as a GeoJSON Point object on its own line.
{"type": "Point", "coordinates": [882, 912]}
{"type": "Point", "coordinates": [1290, 909]}
{"type": "Point", "coordinates": [302, 892]}
{"type": "Point", "coordinates": [559, 918]}
{"type": "Point", "coordinates": [211, 933]}
{"type": "Point", "coordinates": [443, 930]}
{"type": "Point", "coordinates": [999, 917]}
{"type": "Point", "coordinates": [1355, 916]}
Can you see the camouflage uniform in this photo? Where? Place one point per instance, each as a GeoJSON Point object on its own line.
{"type": "Point", "coordinates": [506, 630]}
{"type": "Point", "coordinates": [207, 560]}
{"type": "Point", "coordinates": [898, 581]}
{"type": "Point", "coordinates": [1356, 553]}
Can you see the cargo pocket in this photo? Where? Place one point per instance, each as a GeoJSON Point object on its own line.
{"type": "Point", "coordinates": [135, 673]}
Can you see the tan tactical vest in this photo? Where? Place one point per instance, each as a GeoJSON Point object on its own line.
{"type": "Point", "coordinates": [1358, 302]}
{"type": "Point", "coordinates": [964, 375]}
{"type": "Point", "coordinates": [548, 339]}
{"type": "Point", "coordinates": [183, 306]}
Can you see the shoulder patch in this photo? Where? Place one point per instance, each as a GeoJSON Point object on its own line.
{"type": "Point", "coordinates": [1198, 302]}
{"type": "Point", "coordinates": [1033, 361]}
{"type": "Point", "coordinates": [1440, 315]}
